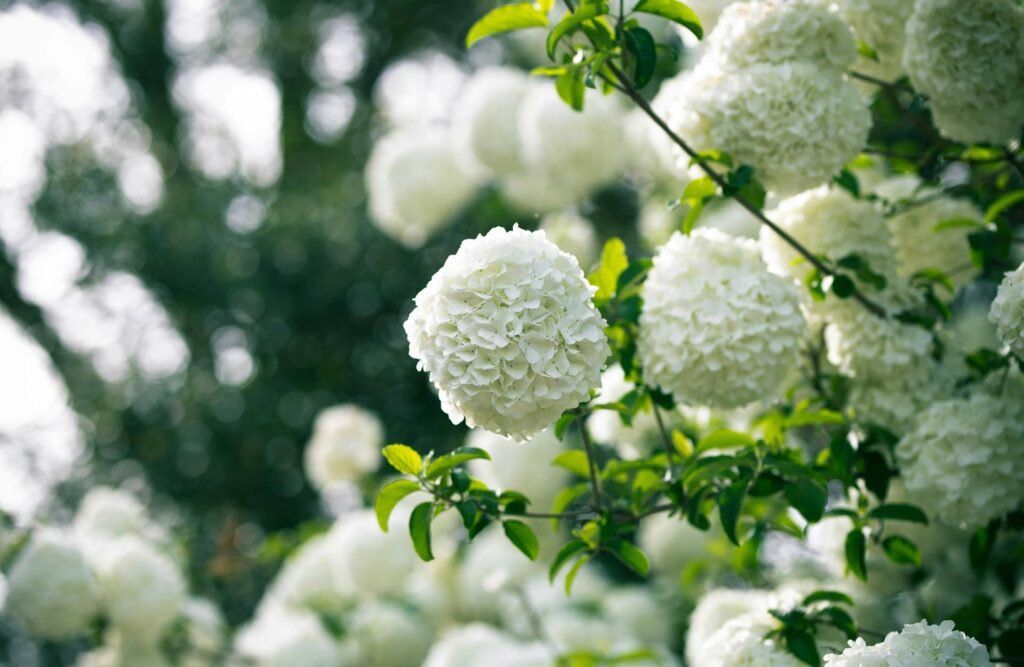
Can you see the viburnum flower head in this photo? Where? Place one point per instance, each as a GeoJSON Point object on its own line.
{"type": "Point", "coordinates": [717, 328]}
{"type": "Point", "coordinates": [741, 643]}
{"type": "Point", "coordinates": [878, 24]}
{"type": "Point", "coordinates": [795, 123]}
{"type": "Point", "coordinates": [1007, 311]}
{"type": "Point", "coordinates": [414, 184]}
{"type": "Point", "coordinates": [369, 561]}
{"type": "Point", "coordinates": [143, 591]}
{"type": "Point", "coordinates": [780, 31]}
{"type": "Point", "coordinates": [346, 444]}
{"type": "Point", "coordinates": [917, 644]}
{"type": "Point", "coordinates": [484, 121]}
{"type": "Point", "coordinates": [968, 58]}
{"type": "Point", "coordinates": [508, 332]}
{"type": "Point", "coordinates": [387, 634]}
{"type": "Point", "coordinates": [963, 461]}
{"type": "Point", "coordinates": [50, 589]}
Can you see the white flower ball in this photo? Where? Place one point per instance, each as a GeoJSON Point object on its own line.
{"type": "Point", "coordinates": [345, 445]}
{"type": "Point", "coordinates": [484, 121]}
{"type": "Point", "coordinates": [106, 514]}
{"type": "Point", "coordinates": [308, 580]}
{"type": "Point", "coordinates": [465, 646]}
{"type": "Point", "coordinates": [577, 150]}
{"type": "Point", "coordinates": [536, 192]}
{"type": "Point", "coordinates": [508, 333]}
{"type": "Point", "coordinates": [715, 609]}
{"type": "Point", "coordinates": [520, 466]}
{"type": "Point", "coordinates": [895, 401]}
{"type": "Point", "coordinates": [574, 234]}
{"type": "Point", "coordinates": [385, 634]}
{"type": "Point", "coordinates": [880, 25]}
{"type": "Point", "coordinates": [490, 565]}
{"type": "Point", "coordinates": [671, 543]}
{"type": "Point", "coordinates": [368, 560]}
{"type": "Point", "coordinates": [717, 329]}
{"type": "Point", "coordinates": [963, 462]}
{"type": "Point", "coordinates": [414, 184]}
{"type": "Point", "coordinates": [143, 591]}
{"type": "Point", "coordinates": [778, 31]}
{"type": "Point", "coordinates": [206, 631]}
{"type": "Point", "coordinates": [636, 612]}
{"type": "Point", "coordinates": [918, 245]}
{"type": "Point", "coordinates": [1007, 311]}
{"type": "Point", "coordinates": [968, 58]}
{"type": "Point", "coordinates": [50, 588]}
{"type": "Point", "coordinates": [828, 221]}
{"type": "Point", "coordinates": [279, 638]}
{"type": "Point", "coordinates": [918, 644]}
{"type": "Point", "coordinates": [741, 643]}
{"type": "Point", "coordinates": [795, 123]}
{"type": "Point", "coordinates": [607, 428]}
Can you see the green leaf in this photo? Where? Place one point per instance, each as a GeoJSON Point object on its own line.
{"type": "Point", "coordinates": [700, 188]}
{"type": "Point", "coordinates": [957, 223]}
{"type": "Point", "coordinates": [631, 556]}
{"type": "Point", "coordinates": [867, 51]}
{"type": "Point", "coordinates": [573, 571]}
{"type": "Point", "coordinates": [572, 21]}
{"type": "Point", "coordinates": [563, 423]}
{"type": "Point", "coordinates": [391, 495]}
{"type": "Point", "coordinates": [848, 181]}
{"type": "Point", "coordinates": [982, 542]}
{"type": "Point", "coordinates": [419, 530]}
{"type": "Point", "coordinates": [674, 11]}
{"type": "Point", "coordinates": [901, 550]}
{"type": "Point", "coordinates": [690, 221]}
{"type": "Point", "coordinates": [404, 459]}
{"type": "Point", "coordinates": [827, 596]}
{"type": "Point", "coordinates": [724, 439]}
{"type": "Point", "coordinates": [730, 501]}
{"type": "Point", "coordinates": [522, 536]}
{"type": "Point", "coordinates": [808, 497]}
{"type": "Point", "coordinates": [842, 286]}
{"type": "Point", "coordinates": [856, 551]}
{"type": "Point", "coordinates": [575, 461]}
{"type": "Point", "coordinates": [899, 512]}
{"type": "Point", "coordinates": [613, 262]}
{"type": "Point", "coordinates": [443, 464]}
{"type": "Point", "coordinates": [507, 18]}
{"type": "Point", "coordinates": [814, 417]}
{"type": "Point", "coordinates": [572, 89]}
{"type": "Point", "coordinates": [1003, 203]}
{"type": "Point", "coordinates": [565, 498]}
{"type": "Point", "coordinates": [641, 46]}
{"type": "Point", "coordinates": [570, 549]}
{"type": "Point", "coordinates": [801, 644]}
{"type": "Point", "coordinates": [840, 619]}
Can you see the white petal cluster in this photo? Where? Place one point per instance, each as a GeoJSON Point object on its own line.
{"type": "Point", "coordinates": [310, 578]}
{"type": "Point", "coordinates": [345, 445]}
{"type": "Point", "coordinates": [829, 222]}
{"type": "Point", "coordinates": [780, 31]}
{"type": "Point", "coordinates": [384, 634]}
{"type": "Point", "coordinates": [721, 606]}
{"type": "Point", "coordinates": [741, 643]}
{"type": "Point", "coordinates": [894, 402]}
{"type": "Point", "coordinates": [796, 123]}
{"type": "Point", "coordinates": [479, 644]}
{"type": "Point", "coordinates": [50, 589]}
{"type": "Point", "coordinates": [414, 183]}
{"type": "Point", "coordinates": [717, 328]}
{"type": "Point", "coordinates": [574, 234]}
{"type": "Point", "coordinates": [918, 244]}
{"type": "Point", "coordinates": [285, 639]}
{"type": "Point", "coordinates": [367, 560]}
{"type": "Point", "coordinates": [143, 591]}
{"type": "Point", "coordinates": [574, 150]}
{"type": "Point", "coordinates": [880, 25]}
{"type": "Point", "coordinates": [484, 121]}
{"type": "Point", "coordinates": [917, 644]}
{"type": "Point", "coordinates": [106, 514]}
{"type": "Point", "coordinates": [963, 462]}
{"type": "Point", "coordinates": [1007, 311]}
{"type": "Point", "coordinates": [508, 333]}
{"type": "Point", "coordinates": [491, 564]}
{"type": "Point", "coordinates": [520, 466]}
{"type": "Point", "coordinates": [968, 58]}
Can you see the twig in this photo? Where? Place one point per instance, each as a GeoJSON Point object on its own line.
{"type": "Point", "coordinates": [595, 484]}
{"type": "Point", "coordinates": [878, 82]}
{"type": "Point", "coordinates": [669, 454]}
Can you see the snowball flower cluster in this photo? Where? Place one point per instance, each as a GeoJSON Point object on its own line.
{"type": "Point", "coordinates": [518, 466]}
{"type": "Point", "coordinates": [1007, 311]}
{"type": "Point", "coordinates": [414, 184]}
{"type": "Point", "coordinates": [741, 643]}
{"type": "Point", "coordinates": [829, 222]}
{"type": "Point", "coordinates": [879, 24]}
{"type": "Point", "coordinates": [918, 244]}
{"type": "Point", "coordinates": [385, 634]}
{"type": "Point", "coordinates": [106, 514]}
{"type": "Point", "coordinates": [574, 234]}
{"type": "Point", "coordinates": [345, 445]}
{"type": "Point", "coordinates": [796, 123]}
{"type": "Point", "coordinates": [968, 58]}
{"type": "Point", "coordinates": [484, 121]}
{"type": "Point", "coordinates": [142, 589]}
{"type": "Point", "coordinates": [367, 560]}
{"type": "Point", "coordinates": [717, 328]}
{"type": "Point", "coordinates": [480, 644]}
{"type": "Point", "coordinates": [963, 461]}
{"type": "Point", "coordinates": [508, 333]}
{"type": "Point", "coordinates": [917, 644]}
{"type": "Point", "coordinates": [777, 31]}
{"type": "Point", "coordinates": [50, 589]}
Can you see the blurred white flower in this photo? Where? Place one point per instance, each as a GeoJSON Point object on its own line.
{"type": "Point", "coordinates": [1007, 311]}
{"type": "Point", "coordinates": [918, 644]}
{"type": "Point", "coordinates": [50, 588]}
{"type": "Point", "coordinates": [466, 646]}
{"type": "Point", "coordinates": [367, 560]}
{"type": "Point", "coordinates": [142, 589]}
{"type": "Point", "coordinates": [636, 612]}
{"type": "Point", "coordinates": [968, 58]}
{"type": "Point", "coordinates": [309, 581]}
{"type": "Point", "coordinates": [484, 121]}
{"type": "Point", "coordinates": [671, 543]}
{"type": "Point", "coordinates": [574, 234]}
{"type": "Point", "coordinates": [716, 608]}
{"type": "Point", "coordinates": [525, 467]}
{"type": "Point", "coordinates": [491, 564]}
{"type": "Point", "coordinates": [880, 25]}
{"type": "Point", "coordinates": [281, 638]}
{"type": "Point", "coordinates": [717, 328]}
{"type": "Point", "coordinates": [607, 428]}
{"type": "Point", "coordinates": [740, 642]}
{"type": "Point", "coordinates": [345, 445]}
{"type": "Point", "coordinates": [385, 634]}
{"type": "Point", "coordinates": [414, 183]}
{"type": "Point", "coordinates": [419, 89]}
{"type": "Point", "coordinates": [106, 514]}
{"type": "Point", "coordinates": [508, 333]}
{"type": "Point", "coordinates": [963, 461]}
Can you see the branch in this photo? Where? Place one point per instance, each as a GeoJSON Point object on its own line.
{"type": "Point", "coordinates": [878, 82]}
{"type": "Point", "coordinates": [669, 453]}
{"type": "Point", "coordinates": [595, 485]}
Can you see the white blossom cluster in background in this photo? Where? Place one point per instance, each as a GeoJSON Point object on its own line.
{"type": "Point", "coordinates": [917, 644]}
{"type": "Point", "coordinates": [116, 564]}
{"type": "Point", "coordinates": [1007, 311]}
{"type": "Point", "coordinates": [344, 447]}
